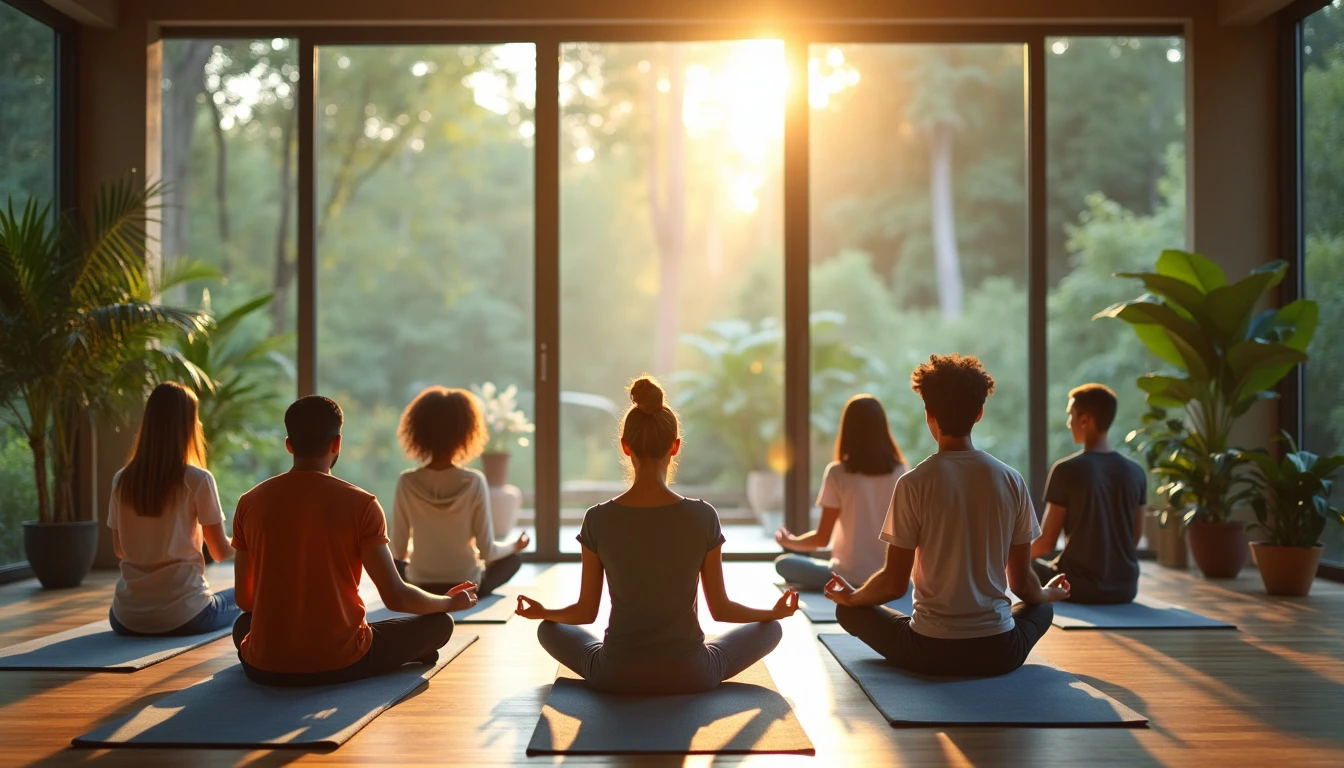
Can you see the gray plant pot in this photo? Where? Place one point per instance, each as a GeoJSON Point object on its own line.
{"type": "Point", "coordinates": [61, 554]}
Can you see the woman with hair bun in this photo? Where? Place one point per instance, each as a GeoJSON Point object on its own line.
{"type": "Point", "coordinates": [655, 549]}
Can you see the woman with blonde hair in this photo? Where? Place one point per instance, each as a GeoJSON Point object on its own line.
{"type": "Point", "coordinates": [656, 549]}
{"type": "Point", "coordinates": [442, 534]}
{"type": "Point", "coordinates": [164, 507]}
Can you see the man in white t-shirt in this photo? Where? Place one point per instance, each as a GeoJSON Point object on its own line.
{"type": "Point", "coordinates": [961, 523]}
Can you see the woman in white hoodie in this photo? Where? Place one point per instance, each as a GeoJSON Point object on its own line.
{"type": "Point", "coordinates": [442, 508]}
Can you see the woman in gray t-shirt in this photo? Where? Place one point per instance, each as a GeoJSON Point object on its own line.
{"type": "Point", "coordinates": [655, 547]}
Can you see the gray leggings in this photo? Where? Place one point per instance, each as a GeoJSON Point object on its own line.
{"type": "Point", "coordinates": [719, 659]}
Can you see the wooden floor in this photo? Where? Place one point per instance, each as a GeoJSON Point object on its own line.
{"type": "Point", "coordinates": [1271, 694]}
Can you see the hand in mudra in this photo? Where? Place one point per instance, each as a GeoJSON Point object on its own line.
{"type": "Point", "coordinates": [1058, 589]}
{"type": "Point", "coordinates": [786, 605]}
{"type": "Point", "coordinates": [529, 608]}
{"type": "Point", "coordinates": [463, 596]}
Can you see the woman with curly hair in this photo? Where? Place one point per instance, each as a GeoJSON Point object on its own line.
{"type": "Point", "coordinates": [441, 529]}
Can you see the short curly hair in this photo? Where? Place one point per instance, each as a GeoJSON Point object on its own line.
{"type": "Point", "coordinates": [954, 389]}
{"type": "Point", "coordinates": [443, 422]}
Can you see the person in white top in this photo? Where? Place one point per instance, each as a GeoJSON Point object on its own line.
{"type": "Point", "coordinates": [164, 507]}
{"type": "Point", "coordinates": [855, 493]}
{"type": "Point", "coordinates": [962, 522]}
{"type": "Point", "coordinates": [441, 529]}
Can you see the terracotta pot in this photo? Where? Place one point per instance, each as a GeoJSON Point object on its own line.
{"type": "Point", "coordinates": [1219, 549]}
{"type": "Point", "coordinates": [496, 466]}
{"type": "Point", "coordinates": [1286, 570]}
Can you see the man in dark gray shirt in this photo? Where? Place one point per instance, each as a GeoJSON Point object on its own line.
{"type": "Point", "coordinates": [1098, 499]}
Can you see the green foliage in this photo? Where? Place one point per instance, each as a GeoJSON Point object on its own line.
{"type": "Point", "coordinates": [27, 107]}
{"type": "Point", "coordinates": [1230, 357]}
{"type": "Point", "coordinates": [1292, 495]}
{"type": "Point", "coordinates": [77, 320]}
{"type": "Point", "coordinates": [737, 390]}
{"type": "Point", "coordinates": [240, 380]}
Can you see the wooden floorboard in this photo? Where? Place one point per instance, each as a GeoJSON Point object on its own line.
{"type": "Point", "coordinates": [1270, 694]}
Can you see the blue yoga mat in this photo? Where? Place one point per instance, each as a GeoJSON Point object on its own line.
{"type": "Point", "coordinates": [1037, 695]}
{"type": "Point", "coordinates": [1144, 613]}
{"type": "Point", "coordinates": [94, 647]}
{"type": "Point", "coordinates": [228, 711]}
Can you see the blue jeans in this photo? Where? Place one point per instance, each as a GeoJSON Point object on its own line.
{"type": "Point", "coordinates": [219, 614]}
{"type": "Point", "coordinates": [809, 573]}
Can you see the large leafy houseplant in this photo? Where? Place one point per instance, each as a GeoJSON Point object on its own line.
{"type": "Point", "coordinates": [737, 392]}
{"type": "Point", "coordinates": [1228, 356]}
{"type": "Point", "coordinates": [238, 374]}
{"type": "Point", "coordinates": [1292, 495]}
{"type": "Point", "coordinates": [79, 324]}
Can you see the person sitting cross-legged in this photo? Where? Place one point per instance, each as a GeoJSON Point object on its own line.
{"type": "Point", "coordinates": [301, 539]}
{"type": "Point", "coordinates": [1098, 498]}
{"type": "Point", "coordinates": [962, 523]}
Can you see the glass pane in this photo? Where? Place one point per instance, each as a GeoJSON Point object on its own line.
{"type": "Point", "coordinates": [918, 221]}
{"type": "Point", "coordinates": [671, 263]}
{"type": "Point", "coordinates": [424, 239]}
{"type": "Point", "coordinates": [1116, 163]}
{"type": "Point", "coordinates": [27, 170]}
{"type": "Point", "coordinates": [229, 149]}
{"type": "Point", "coordinates": [1323, 220]}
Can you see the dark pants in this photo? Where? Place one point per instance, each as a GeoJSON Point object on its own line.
{"type": "Point", "coordinates": [395, 642]}
{"type": "Point", "coordinates": [219, 614]}
{"type": "Point", "coordinates": [496, 574]}
{"type": "Point", "coordinates": [1082, 590]}
{"type": "Point", "coordinates": [888, 632]}
{"type": "Point", "coordinates": [727, 655]}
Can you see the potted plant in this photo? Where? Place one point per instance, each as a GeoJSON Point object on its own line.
{"type": "Point", "coordinates": [1228, 357]}
{"type": "Point", "coordinates": [1153, 442]}
{"type": "Point", "coordinates": [77, 322]}
{"type": "Point", "coordinates": [508, 426]}
{"type": "Point", "coordinates": [737, 393]}
{"type": "Point", "coordinates": [1292, 505]}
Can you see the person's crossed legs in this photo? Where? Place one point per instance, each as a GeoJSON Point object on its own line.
{"type": "Point", "coordinates": [889, 633]}
{"type": "Point", "coordinates": [396, 642]}
{"type": "Point", "coordinates": [803, 571]}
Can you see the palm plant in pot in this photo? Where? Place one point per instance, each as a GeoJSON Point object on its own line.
{"type": "Point", "coordinates": [1228, 356]}
{"type": "Point", "coordinates": [1292, 507]}
{"type": "Point", "coordinates": [78, 322]}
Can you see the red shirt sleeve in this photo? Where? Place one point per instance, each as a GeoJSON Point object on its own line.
{"type": "Point", "coordinates": [240, 526]}
{"type": "Point", "coordinates": [372, 525]}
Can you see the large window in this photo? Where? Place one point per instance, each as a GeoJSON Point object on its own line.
{"type": "Point", "coordinates": [918, 227]}
{"type": "Point", "coordinates": [1116, 154]}
{"type": "Point", "coordinates": [1322, 210]}
{"type": "Point", "coordinates": [672, 264]}
{"type": "Point", "coordinates": [229, 148]}
{"type": "Point", "coordinates": [424, 239]}
{"type": "Point", "coordinates": [28, 163]}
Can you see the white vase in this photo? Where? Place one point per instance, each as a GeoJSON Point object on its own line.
{"type": "Point", "coordinates": [765, 496]}
{"type": "Point", "coordinates": [505, 503]}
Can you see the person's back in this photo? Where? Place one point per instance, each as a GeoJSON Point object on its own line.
{"type": "Point", "coordinates": [163, 584]}
{"type": "Point", "coordinates": [652, 557]}
{"type": "Point", "coordinates": [443, 508]}
{"type": "Point", "coordinates": [1102, 494]}
{"type": "Point", "coordinates": [303, 532]}
{"type": "Point", "coordinates": [964, 510]}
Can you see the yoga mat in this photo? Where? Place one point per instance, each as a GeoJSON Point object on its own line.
{"type": "Point", "coordinates": [495, 609]}
{"type": "Point", "coordinates": [94, 647]}
{"type": "Point", "coordinates": [1037, 695]}
{"type": "Point", "coordinates": [1144, 613]}
{"type": "Point", "coordinates": [743, 715]}
{"type": "Point", "coordinates": [819, 610]}
{"type": "Point", "coordinates": [228, 711]}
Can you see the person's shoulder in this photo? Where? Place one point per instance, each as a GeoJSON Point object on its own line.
{"type": "Point", "coordinates": [195, 475]}
{"type": "Point", "coordinates": [1002, 467]}
{"type": "Point", "coordinates": [699, 507]}
{"type": "Point", "coordinates": [1072, 461]}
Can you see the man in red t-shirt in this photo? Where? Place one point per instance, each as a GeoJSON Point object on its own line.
{"type": "Point", "coordinates": [302, 538]}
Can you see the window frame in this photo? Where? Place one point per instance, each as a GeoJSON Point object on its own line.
{"type": "Point", "coordinates": [797, 37]}
{"type": "Point", "coordinates": [1292, 225]}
